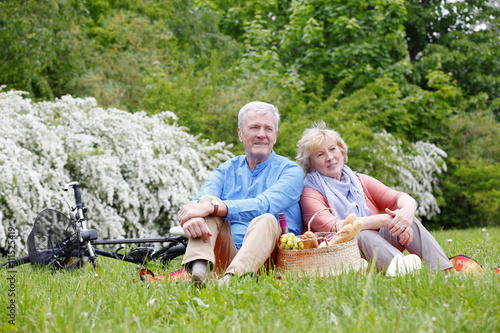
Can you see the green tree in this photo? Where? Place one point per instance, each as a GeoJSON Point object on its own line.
{"type": "Point", "coordinates": [322, 41]}
{"type": "Point", "coordinates": [129, 45]}
{"type": "Point", "coordinates": [472, 196]}
{"type": "Point", "coordinates": [234, 15]}
{"type": "Point", "coordinates": [473, 178]}
{"type": "Point", "coordinates": [356, 40]}
{"type": "Point", "coordinates": [389, 75]}
{"type": "Point", "coordinates": [41, 46]}
{"type": "Point", "coordinates": [461, 37]}
{"type": "Point", "coordinates": [431, 108]}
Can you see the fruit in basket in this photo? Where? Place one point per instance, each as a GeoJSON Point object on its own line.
{"type": "Point", "coordinates": [289, 242]}
{"type": "Point", "coordinates": [347, 232]}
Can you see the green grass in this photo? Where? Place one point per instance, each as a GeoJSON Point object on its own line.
{"type": "Point", "coordinates": [116, 301]}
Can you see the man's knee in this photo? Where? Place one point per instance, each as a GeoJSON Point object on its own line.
{"type": "Point", "coordinates": [268, 216]}
{"type": "Point", "coordinates": [266, 221]}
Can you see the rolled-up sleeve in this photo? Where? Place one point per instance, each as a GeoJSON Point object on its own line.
{"type": "Point", "coordinates": [378, 195]}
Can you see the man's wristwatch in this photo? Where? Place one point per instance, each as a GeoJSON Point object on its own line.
{"type": "Point", "coordinates": [215, 203]}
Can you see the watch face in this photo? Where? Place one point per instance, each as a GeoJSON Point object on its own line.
{"type": "Point", "coordinates": [215, 202]}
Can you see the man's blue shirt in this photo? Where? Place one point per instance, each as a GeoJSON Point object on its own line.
{"type": "Point", "coordinates": [273, 187]}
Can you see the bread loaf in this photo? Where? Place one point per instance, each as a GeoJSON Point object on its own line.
{"type": "Point", "coordinates": [309, 240]}
{"type": "Point", "coordinates": [347, 233]}
{"type": "Point", "coordinates": [308, 234]}
{"type": "Point", "coordinates": [358, 226]}
{"type": "Point", "coordinates": [350, 219]}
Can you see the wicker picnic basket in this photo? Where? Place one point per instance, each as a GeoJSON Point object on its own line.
{"type": "Point", "coordinates": [331, 260]}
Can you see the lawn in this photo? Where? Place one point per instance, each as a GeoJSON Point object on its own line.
{"type": "Point", "coordinates": [117, 301]}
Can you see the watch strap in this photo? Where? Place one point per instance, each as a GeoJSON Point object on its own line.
{"type": "Point", "coordinates": [215, 203]}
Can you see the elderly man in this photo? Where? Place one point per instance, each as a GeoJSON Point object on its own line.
{"type": "Point", "coordinates": [232, 223]}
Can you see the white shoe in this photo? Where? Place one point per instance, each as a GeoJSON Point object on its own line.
{"type": "Point", "coordinates": [401, 265]}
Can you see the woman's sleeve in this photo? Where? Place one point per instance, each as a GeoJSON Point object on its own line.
{"type": "Point", "coordinates": [379, 196]}
{"type": "Point", "coordinates": [311, 202]}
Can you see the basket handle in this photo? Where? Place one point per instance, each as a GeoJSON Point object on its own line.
{"type": "Point", "coordinates": [319, 211]}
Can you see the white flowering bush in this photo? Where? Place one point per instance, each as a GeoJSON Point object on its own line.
{"type": "Point", "coordinates": [415, 171]}
{"type": "Point", "coordinates": [135, 171]}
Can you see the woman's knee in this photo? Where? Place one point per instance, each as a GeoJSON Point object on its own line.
{"type": "Point", "coordinates": [366, 237]}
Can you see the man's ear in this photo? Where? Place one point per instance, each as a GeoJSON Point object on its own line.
{"type": "Point", "coordinates": [240, 135]}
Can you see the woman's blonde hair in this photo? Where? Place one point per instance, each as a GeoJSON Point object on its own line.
{"type": "Point", "coordinates": [312, 139]}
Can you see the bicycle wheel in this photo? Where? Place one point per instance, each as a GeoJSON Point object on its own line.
{"type": "Point", "coordinates": [54, 241]}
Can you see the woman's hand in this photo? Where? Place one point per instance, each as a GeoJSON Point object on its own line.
{"type": "Point", "coordinates": [401, 224]}
{"type": "Point", "coordinates": [402, 218]}
{"type": "Point", "coordinates": [406, 237]}
{"type": "Point", "coordinates": [338, 225]}
{"type": "Point", "coordinates": [401, 221]}
{"type": "Point", "coordinates": [372, 222]}
{"type": "Point", "coordinates": [197, 227]}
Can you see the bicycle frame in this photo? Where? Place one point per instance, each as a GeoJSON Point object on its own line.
{"type": "Point", "coordinates": [176, 247]}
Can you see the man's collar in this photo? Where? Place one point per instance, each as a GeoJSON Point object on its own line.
{"type": "Point", "coordinates": [262, 165]}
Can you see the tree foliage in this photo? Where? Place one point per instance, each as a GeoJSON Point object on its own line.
{"type": "Point", "coordinates": [461, 37]}
{"type": "Point", "coordinates": [405, 82]}
{"type": "Point", "coordinates": [41, 46]}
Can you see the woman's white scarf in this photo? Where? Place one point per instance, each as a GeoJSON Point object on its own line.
{"type": "Point", "coordinates": [344, 197]}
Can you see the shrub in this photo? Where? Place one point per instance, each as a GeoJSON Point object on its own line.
{"type": "Point", "coordinates": [135, 170]}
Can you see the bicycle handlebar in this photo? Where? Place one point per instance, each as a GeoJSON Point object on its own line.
{"type": "Point", "coordinates": [78, 194]}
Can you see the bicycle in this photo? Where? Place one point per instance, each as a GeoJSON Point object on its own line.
{"type": "Point", "coordinates": [61, 242]}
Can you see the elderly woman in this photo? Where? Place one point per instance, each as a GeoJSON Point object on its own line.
{"type": "Point", "coordinates": [390, 226]}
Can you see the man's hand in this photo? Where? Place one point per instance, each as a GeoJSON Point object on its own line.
{"type": "Point", "coordinates": [197, 227]}
{"type": "Point", "coordinates": [193, 210]}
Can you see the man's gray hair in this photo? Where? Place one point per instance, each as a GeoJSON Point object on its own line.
{"type": "Point", "coordinates": [261, 108]}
